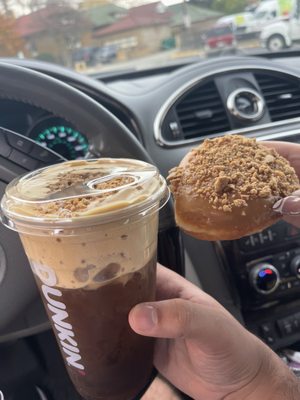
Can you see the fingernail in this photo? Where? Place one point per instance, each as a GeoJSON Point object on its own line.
{"type": "Point", "coordinates": [288, 206]}
{"type": "Point", "coordinates": [147, 317]}
{"type": "Point", "coordinates": [277, 206]}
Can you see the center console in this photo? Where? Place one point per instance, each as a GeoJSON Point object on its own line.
{"type": "Point", "coordinates": [265, 271]}
{"type": "Point", "coordinates": [264, 274]}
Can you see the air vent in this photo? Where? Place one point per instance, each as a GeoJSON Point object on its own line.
{"type": "Point", "coordinates": [282, 96]}
{"type": "Point", "coordinates": [201, 112]}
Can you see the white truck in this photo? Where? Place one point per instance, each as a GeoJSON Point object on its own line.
{"type": "Point", "coordinates": [253, 22]}
{"type": "Point", "coordinates": [268, 11]}
{"type": "Point", "coordinates": [238, 22]}
{"type": "Point", "coordinates": [284, 32]}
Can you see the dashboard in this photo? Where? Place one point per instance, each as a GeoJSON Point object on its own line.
{"type": "Point", "coordinates": [47, 129]}
{"type": "Point", "coordinates": [172, 109]}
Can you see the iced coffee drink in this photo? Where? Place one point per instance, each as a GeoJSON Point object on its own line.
{"type": "Point", "coordinates": [89, 229]}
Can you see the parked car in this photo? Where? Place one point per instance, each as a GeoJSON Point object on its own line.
{"type": "Point", "coordinates": [218, 38]}
{"type": "Point", "coordinates": [92, 56]}
{"type": "Point", "coordinates": [105, 54]}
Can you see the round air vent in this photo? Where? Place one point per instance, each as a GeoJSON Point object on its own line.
{"type": "Point", "coordinates": [246, 104]}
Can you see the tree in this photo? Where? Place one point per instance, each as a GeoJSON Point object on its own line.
{"type": "Point", "coordinates": [10, 43]}
{"type": "Point", "coordinates": [229, 6]}
{"type": "Point", "coordinates": [66, 25]}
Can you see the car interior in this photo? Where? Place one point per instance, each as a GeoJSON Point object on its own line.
{"type": "Point", "coordinates": [50, 114]}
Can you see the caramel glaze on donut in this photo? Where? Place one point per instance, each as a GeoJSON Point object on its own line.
{"type": "Point", "coordinates": [225, 189]}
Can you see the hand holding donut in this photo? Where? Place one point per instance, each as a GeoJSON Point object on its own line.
{"type": "Point", "coordinates": [289, 207]}
{"type": "Point", "coordinates": [226, 188]}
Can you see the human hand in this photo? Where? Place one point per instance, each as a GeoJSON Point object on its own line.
{"type": "Point", "coordinates": [289, 207]}
{"type": "Point", "coordinates": [202, 349]}
{"type": "Point", "coordinates": [160, 389]}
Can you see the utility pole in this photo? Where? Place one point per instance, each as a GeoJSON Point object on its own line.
{"type": "Point", "coordinates": [185, 15]}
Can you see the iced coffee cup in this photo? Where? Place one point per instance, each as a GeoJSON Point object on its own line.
{"type": "Point", "coordinates": [89, 229]}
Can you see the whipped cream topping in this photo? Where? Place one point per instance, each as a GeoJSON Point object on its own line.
{"type": "Point", "coordinates": [83, 188]}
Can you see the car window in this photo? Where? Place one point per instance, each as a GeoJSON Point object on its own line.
{"type": "Point", "coordinates": [93, 36]}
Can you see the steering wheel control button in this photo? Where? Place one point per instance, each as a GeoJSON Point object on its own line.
{"type": "Point", "coordinates": [5, 149]}
{"type": "Point", "coordinates": [19, 143]}
{"type": "Point", "coordinates": [44, 155]}
{"type": "Point", "coordinates": [264, 278]}
{"type": "Point", "coordinates": [23, 160]}
{"type": "Point", "coordinates": [246, 104]}
{"type": "Point", "coordinates": [2, 266]}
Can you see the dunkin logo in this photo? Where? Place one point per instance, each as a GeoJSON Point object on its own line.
{"type": "Point", "coordinates": [59, 314]}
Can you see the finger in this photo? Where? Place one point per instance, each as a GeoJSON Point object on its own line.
{"type": "Point", "coordinates": [290, 151]}
{"type": "Point", "coordinates": [289, 206]}
{"type": "Point", "coordinates": [178, 318]}
{"type": "Point", "coordinates": [295, 221]}
{"type": "Point", "coordinates": [170, 285]}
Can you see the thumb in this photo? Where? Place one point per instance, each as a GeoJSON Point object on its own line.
{"type": "Point", "coordinates": [289, 205]}
{"type": "Point", "coordinates": [178, 318]}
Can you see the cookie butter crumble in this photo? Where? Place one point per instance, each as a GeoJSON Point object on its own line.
{"type": "Point", "coordinates": [231, 170]}
{"type": "Point", "coordinates": [73, 206]}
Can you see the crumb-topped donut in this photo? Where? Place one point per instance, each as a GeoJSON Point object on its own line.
{"type": "Point", "coordinates": [225, 188]}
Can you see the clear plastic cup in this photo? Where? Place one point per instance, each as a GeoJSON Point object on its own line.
{"type": "Point", "coordinates": [89, 229]}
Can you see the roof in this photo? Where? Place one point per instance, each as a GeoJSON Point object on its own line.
{"type": "Point", "coordinates": [105, 14]}
{"type": "Point", "coordinates": [30, 24]}
{"type": "Point", "coordinates": [138, 17]}
{"type": "Point", "coordinates": [196, 13]}
{"type": "Point", "coordinates": [36, 21]}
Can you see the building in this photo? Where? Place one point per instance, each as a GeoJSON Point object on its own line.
{"type": "Point", "coordinates": [141, 31]}
{"type": "Point", "coordinates": [189, 22]}
{"type": "Point", "coordinates": [52, 33]}
{"type": "Point", "coordinates": [103, 15]}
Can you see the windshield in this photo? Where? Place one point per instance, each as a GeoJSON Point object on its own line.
{"type": "Point", "coordinates": [94, 36]}
{"type": "Point", "coordinates": [219, 31]}
{"type": "Point", "coordinates": [261, 14]}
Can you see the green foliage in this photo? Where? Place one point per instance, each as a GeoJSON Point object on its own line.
{"type": "Point", "coordinates": [229, 6]}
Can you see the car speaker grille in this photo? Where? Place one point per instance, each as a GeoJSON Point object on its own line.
{"type": "Point", "coordinates": [282, 96]}
{"type": "Point", "coordinates": [201, 112]}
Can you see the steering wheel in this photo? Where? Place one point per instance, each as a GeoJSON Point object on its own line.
{"type": "Point", "coordinates": [20, 307]}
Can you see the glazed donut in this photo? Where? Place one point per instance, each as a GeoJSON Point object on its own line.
{"type": "Point", "coordinates": [226, 188]}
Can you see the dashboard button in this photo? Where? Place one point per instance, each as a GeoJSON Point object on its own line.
{"type": "Point", "coordinates": [285, 326]}
{"type": "Point", "coordinates": [23, 160]}
{"type": "Point", "coordinates": [44, 155]}
{"type": "Point", "coordinates": [295, 252]}
{"type": "Point", "coordinates": [296, 284]}
{"type": "Point", "coordinates": [267, 332]}
{"type": "Point", "coordinates": [19, 143]}
{"type": "Point", "coordinates": [266, 329]}
{"type": "Point", "coordinates": [5, 149]}
{"type": "Point", "coordinates": [283, 286]}
{"type": "Point", "coordinates": [270, 339]}
{"type": "Point", "coordinates": [296, 324]}
{"type": "Point", "coordinates": [295, 266]}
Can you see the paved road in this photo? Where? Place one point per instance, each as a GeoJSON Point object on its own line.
{"type": "Point", "coordinates": [161, 59]}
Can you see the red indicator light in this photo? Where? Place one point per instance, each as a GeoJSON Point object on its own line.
{"type": "Point", "coordinates": [268, 271]}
